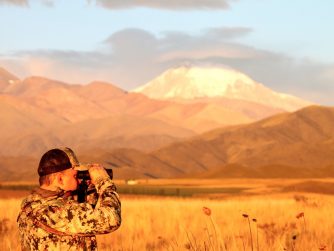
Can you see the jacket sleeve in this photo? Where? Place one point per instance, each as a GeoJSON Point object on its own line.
{"type": "Point", "coordinates": [72, 217]}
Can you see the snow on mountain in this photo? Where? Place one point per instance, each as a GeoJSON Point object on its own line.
{"type": "Point", "coordinates": [196, 82]}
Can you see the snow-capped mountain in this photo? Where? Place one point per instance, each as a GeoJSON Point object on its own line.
{"type": "Point", "coordinates": [196, 82]}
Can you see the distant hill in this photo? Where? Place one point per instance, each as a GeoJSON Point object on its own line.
{"type": "Point", "coordinates": [287, 145]}
{"type": "Point", "coordinates": [6, 78]}
{"type": "Point", "coordinates": [303, 141]}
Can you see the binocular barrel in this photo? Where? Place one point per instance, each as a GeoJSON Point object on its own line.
{"type": "Point", "coordinates": [84, 175]}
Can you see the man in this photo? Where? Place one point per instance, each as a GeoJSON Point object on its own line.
{"type": "Point", "coordinates": [51, 218]}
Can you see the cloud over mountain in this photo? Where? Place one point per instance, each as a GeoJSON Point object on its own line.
{"type": "Point", "coordinates": [25, 3]}
{"type": "Point", "coordinates": [15, 2]}
{"type": "Point", "coordinates": [156, 4]}
{"type": "Point", "coordinates": [171, 4]}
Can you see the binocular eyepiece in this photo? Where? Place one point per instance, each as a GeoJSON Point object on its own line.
{"type": "Point", "coordinates": [84, 175]}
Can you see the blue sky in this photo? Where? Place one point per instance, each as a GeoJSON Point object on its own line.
{"type": "Point", "coordinates": [286, 45]}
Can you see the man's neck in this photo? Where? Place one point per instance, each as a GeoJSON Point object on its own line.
{"type": "Point", "coordinates": [50, 187]}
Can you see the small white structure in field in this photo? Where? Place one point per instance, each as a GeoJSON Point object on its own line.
{"type": "Point", "coordinates": [131, 182]}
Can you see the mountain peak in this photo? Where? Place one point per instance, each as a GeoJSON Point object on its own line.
{"type": "Point", "coordinates": [32, 86]}
{"type": "Point", "coordinates": [199, 82]}
{"type": "Point", "coordinates": [105, 86]}
{"type": "Point", "coordinates": [98, 91]}
{"type": "Point", "coordinates": [195, 82]}
{"type": "Point", "coordinates": [4, 74]}
{"type": "Point", "coordinates": [6, 78]}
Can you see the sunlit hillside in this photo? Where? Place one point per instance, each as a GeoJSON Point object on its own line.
{"type": "Point", "coordinates": [115, 126]}
{"type": "Point", "coordinates": [298, 144]}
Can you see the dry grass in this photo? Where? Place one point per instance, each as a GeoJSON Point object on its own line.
{"type": "Point", "coordinates": [181, 224]}
{"type": "Point", "coordinates": [163, 223]}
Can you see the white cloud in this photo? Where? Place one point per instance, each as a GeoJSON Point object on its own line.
{"type": "Point", "coordinates": [163, 4]}
{"type": "Point", "coordinates": [15, 2]}
{"type": "Point", "coordinates": [25, 3]}
{"type": "Point", "coordinates": [224, 33]}
{"type": "Point", "coordinates": [156, 4]}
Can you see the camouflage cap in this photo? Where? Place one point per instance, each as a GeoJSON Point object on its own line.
{"type": "Point", "coordinates": [54, 160]}
{"type": "Point", "coordinates": [57, 160]}
{"type": "Point", "coordinates": [74, 160]}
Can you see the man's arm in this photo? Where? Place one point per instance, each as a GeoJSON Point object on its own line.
{"type": "Point", "coordinates": [72, 217]}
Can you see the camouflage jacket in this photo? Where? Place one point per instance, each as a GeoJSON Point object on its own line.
{"type": "Point", "coordinates": [55, 221]}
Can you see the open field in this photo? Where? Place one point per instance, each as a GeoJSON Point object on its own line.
{"type": "Point", "coordinates": [208, 188]}
{"type": "Point", "coordinates": [267, 208]}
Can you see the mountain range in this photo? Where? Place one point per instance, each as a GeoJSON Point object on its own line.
{"type": "Point", "coordinates": [208, 134]}
{"type": "Point", "coordinates": [287, 145]}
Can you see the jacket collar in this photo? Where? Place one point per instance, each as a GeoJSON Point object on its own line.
{"type": "Point", "coordinates": [48, 193]}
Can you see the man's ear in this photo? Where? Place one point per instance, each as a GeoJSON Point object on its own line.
{"type": "Point", "coordinates": [59, 178]}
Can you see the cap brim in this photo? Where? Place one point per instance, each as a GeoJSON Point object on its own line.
{"type": "Point", "coordinates": [81, 167]}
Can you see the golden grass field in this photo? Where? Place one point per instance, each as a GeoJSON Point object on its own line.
{"type": "Point", "coordinates": [278, 218]}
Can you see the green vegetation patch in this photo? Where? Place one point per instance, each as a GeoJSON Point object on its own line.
{"type": "Point", "coordinates": [17, 187]}
{"type": "Point", "coordinates": [175, 190]}
{"type": "Point", "coordinates": [159, 190]}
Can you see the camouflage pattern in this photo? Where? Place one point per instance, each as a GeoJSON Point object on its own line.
{"type": "Point", "coordinates": [54, 220]}
{"type": "Point", "coordinates": [73, 158]}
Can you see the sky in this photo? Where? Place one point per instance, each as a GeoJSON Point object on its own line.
{"type": "Point", "coordinates": [285, 45]}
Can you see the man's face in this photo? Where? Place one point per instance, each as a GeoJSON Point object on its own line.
{"type": "Point", "coordinates": [69, 180]}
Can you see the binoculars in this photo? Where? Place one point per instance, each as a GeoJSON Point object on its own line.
{"type": "Point", "coordinates": [84, 175]}
{"type": "Point", "coordinates": [82, 190]}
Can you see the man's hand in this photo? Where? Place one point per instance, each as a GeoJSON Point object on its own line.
{"type": "Point", "coordinates": [97, 172]}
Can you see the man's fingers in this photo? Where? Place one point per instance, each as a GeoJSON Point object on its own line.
{"type": "Point", "coordinates": [97, 172]}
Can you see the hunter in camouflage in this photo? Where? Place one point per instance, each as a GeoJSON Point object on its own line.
{"type": "Point", "coordinates": [51, 219]}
